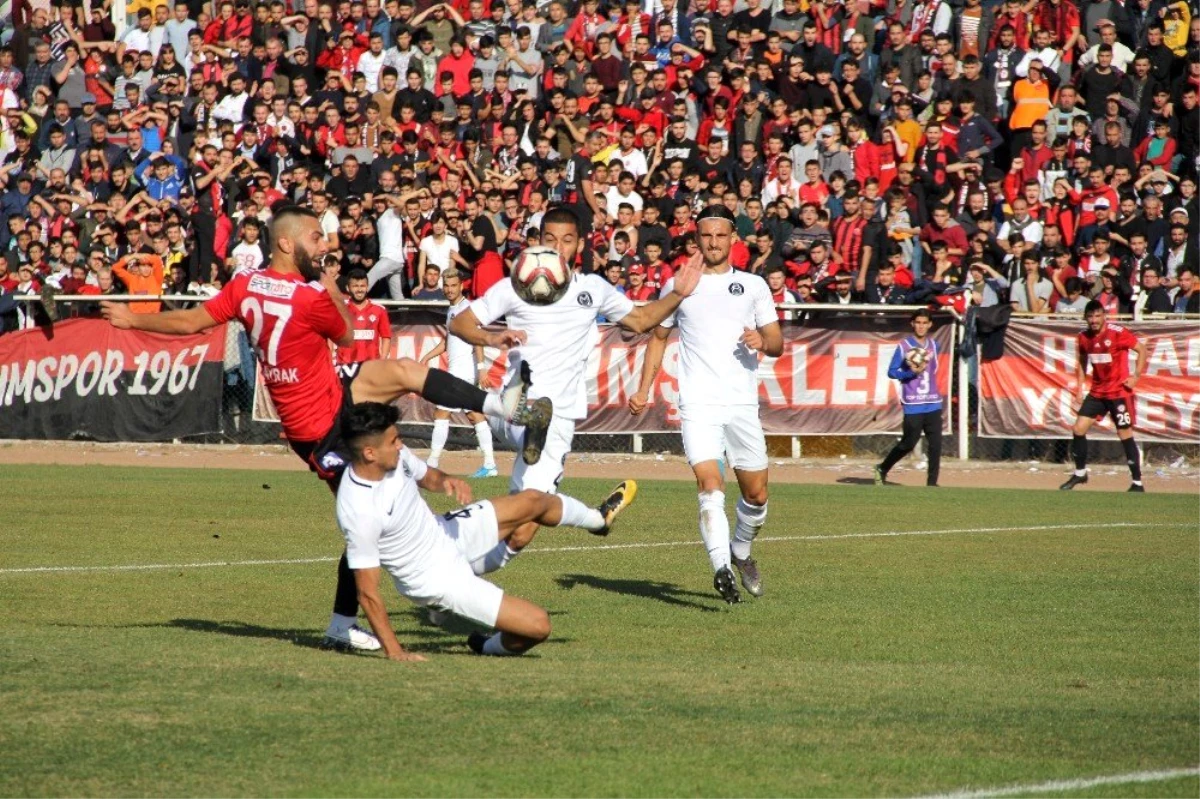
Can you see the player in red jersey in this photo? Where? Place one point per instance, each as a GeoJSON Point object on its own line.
{"type": "Point", "coordinates": [292, 311]}
{"type": "Point", "coordinates": [372, 330]}
{"type": "Point", "coordinates": [1107, 348]}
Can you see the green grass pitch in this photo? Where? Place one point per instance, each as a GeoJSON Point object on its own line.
{"type": "Point", "coordinates": [875, 665]}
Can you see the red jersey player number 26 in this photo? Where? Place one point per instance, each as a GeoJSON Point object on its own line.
{"type": "Point", "coordinates": [289, 321]}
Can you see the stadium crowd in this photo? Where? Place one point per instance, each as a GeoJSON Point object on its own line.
{"type": "Point", "coordinates": [1038, 153]}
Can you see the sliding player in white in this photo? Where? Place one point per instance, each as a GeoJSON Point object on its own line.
{"type": "Point", "coordinates": [466, 363]}
{"type": "Point", "coordinates": [555, 341]}
{"type": "Point", "coordinates": [433, 559]}
{"type": "Point", "coordinates": [723, 326]}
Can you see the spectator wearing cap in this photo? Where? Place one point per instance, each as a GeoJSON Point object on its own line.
{"type": "Point", "coordinates": [636, 288]}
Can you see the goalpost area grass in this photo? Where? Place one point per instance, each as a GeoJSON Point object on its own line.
{"type": "Point", "coordinates": [1049, 636]}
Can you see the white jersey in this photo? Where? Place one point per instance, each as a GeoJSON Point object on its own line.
{"type": "Point", "coordinates": [389, 524]}
{"type": "Point", "coordinates": [715, 367]}
{"type": "Point", "coordinates": [460, 355]}
{"type": "Point", "coordinates": [559, 336]}
{"type": "Point", "coordinates": [247, 257]}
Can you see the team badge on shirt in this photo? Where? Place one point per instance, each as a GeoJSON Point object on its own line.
{"type": "Point", "coordinates": [332, 461]}
{"type": "Point", "coordinates": [737, 289]}
{"type": "Point", "coordinates": [585, 299]}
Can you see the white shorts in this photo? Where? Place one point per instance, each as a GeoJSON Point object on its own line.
{"type": "Point", "coordinates": [733, 433]}
{"type": "Point", "coordinates": [464, 373]}
{"type": "Point", "coordinates": [473, 532]}
{"type": "Point", "coordinates": [547, 473]}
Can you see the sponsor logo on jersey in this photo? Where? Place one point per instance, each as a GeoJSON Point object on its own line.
{"type": "Point", "coordinates": [261, 284]}
{"type": "Point", "coordinates": [1101, 357]}
{"type": "Point", "coordinates": [737, 289]}
{"type": "Point", "coordinates": [585, 299]}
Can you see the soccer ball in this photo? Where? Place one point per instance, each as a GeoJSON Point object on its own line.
{"type": "Point", "coordinates": [540, 276]}
{"type": "Point", "coordinates": [917, 357]}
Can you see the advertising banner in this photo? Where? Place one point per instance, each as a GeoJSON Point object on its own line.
{"type": "Point", "coordinates": [1030, 392]}
{"type": "Point", "coordinates": [83, 378]}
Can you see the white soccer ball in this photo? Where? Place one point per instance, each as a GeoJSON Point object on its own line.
{"type": "Point", "coordinates": [541, 276]}
{"type": "Point", "coordinates": [917, 357]}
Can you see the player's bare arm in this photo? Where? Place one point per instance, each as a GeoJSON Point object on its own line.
{"type": "Point", "coordinates": [768, 339]}
{"type": "Point", "coordinates": [466, 326]}
{"type": "Point", "coordinates": [438, 482]}
{"type": "Point", "coordinates": [655, 347]}
{"type": "Point", "coordinates": [433, 354]}
{"type": "Point", "coordinates": [367, 583]}
{"type": "Point", "coordinates": [1080, 375]}
{"type": "Point", "coordinates": [174, 323]}
{"type": "Point", "coordinates": [1139, 365]}
{"type": "Point", "coordinates": [343, 308]}
{"type": "Point", "coordinates": [646, 317]}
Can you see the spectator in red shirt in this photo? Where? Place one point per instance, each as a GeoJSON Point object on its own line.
{"type": "Point", "coordinates": [942, 228]}
{"type": "Point", "coordinates": [637, 290]}
{"type": "Point", "coordinates": [372, 330]}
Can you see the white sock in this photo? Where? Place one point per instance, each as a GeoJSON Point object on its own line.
{"type": "Point", "coordinates": [714, 528]}
{"type": "Point", "coordinates": [342, 622]}
{"type": "Point", "coordinates": [437, 443]}
{"type": "Point", "coordinates": [750, 519]}
{"type": "Point", "coordinates": [483, 431]}
{"type": "Point", "coordinates": [576, 514]}
{"type": "Point", "coordinates": [496, 558]}
{"type": "Point", "coordinates": [492, 646]}
{"type": "Point", "coordinates": [493, 406]}
{"type": "Point", "coordinates": [1081, 472]}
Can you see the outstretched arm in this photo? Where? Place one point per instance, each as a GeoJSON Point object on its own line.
{"type": "Point", "coordinates": [466, 326]}
{"type": "Point", "coordinates": [367, 583]}
{"type": "Point", "coordinates": [655, 348]}
{"type": "Point", "coordinates": [175, 323]}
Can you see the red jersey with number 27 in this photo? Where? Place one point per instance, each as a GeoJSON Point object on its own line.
{"type": "Point", "coordinates": [1108, 353]}
{"type": "Point", "coordinates": [290, 322]}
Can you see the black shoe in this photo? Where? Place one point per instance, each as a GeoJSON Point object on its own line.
{"type": "Point", "coordinates": [538, 415]}
{"type": "Point", "coordinates": [726, 585]}
{"type": "Point", "coordinates": [476, 640]}
{"type": "Point", "coordinates": [1075, 480]}
{"type": "Point", "coordinates": [1135, 488]}
{"type": "Point", "coordinates": [621, 498]}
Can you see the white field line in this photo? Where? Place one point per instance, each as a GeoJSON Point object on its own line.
{"type": "Point", "coordinates": [595, 548]}
{"type": "Point", "coordinates": [1058, 786]}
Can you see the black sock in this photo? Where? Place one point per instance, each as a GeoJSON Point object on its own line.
{"type": "Point", "coordinates": [1079, 450]}
{"type": "Point", "coordinates": [1133, 458]}
{"type": "Point", "coordinates": [443, 388]}
{"type": "Point", "coordinates": [345, 601]}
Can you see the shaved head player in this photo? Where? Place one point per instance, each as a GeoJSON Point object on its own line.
{"type": "Point", "coordinates": [723, 327]}
{"type": "Point", "coordinates": [291, 311]}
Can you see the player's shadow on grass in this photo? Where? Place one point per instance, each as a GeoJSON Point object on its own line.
{"type": "Point", "coordinates": [669, 593]}
{"type": "Point", "coordinates": [861, 481]}
{"type": "Point", "coordinates": [436, 641]}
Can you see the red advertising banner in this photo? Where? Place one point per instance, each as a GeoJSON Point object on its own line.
{"type": "Point", "coordinates": [82, 378]}
{"type": "Point", "coordinates": [1030, 392]}
{"type": "Point", "coordinates": [831, 379]}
